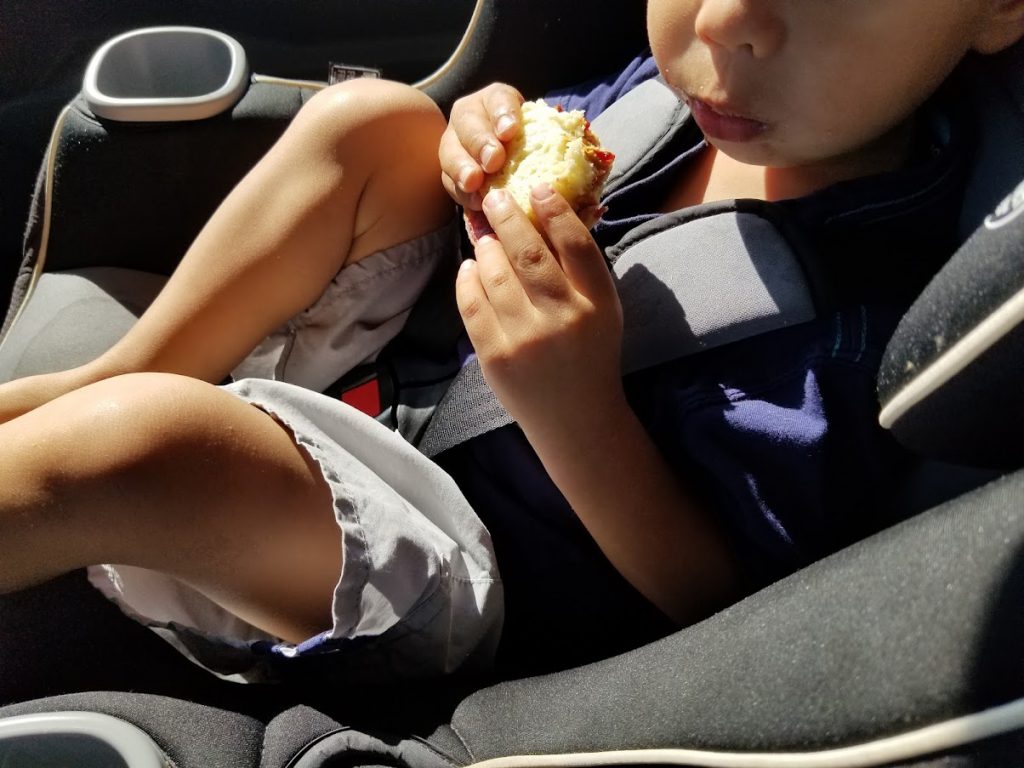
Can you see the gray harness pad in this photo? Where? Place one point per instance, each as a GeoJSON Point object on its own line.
{"type": "Point", "coordinates": [703, 283]}
{"type": "Point", "coordinates": [637, 127]}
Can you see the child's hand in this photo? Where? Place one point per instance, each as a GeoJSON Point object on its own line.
{"type": "Point", "coordinates": [542, 312]}
{"type": "Point", "coordinates": [473, 144]}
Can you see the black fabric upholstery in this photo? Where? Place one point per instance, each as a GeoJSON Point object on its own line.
{"type": "Point", "coordinates": [192, 735]}
{"type": "Point", "coordinates": [348, 747]}
{"type": "Point", "coordinates": [289, 733]}
{"type": "Point", "coordinates": [538, 45]}
{"type": "Point", "coordinates": [64, 637]}
{"type": "Point", "coordinates": [995, 93]}
{"type": "Point", "coordinates": [916, 625]}
{"type": "Point", "coordinates": [977, 417]}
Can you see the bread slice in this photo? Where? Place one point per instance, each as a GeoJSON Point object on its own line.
{"type": "Point", "coordinates": [554, 146]}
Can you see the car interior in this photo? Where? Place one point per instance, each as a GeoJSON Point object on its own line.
{"type": "Point", "coordinates": [901, 651]}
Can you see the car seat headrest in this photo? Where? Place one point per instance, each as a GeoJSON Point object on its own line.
{"type": "Point", "coordinates": [952, 379]}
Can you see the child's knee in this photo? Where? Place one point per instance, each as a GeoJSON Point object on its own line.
{"type": "Point", "coordinates": [79, 457]}
{"type": "Point", "coordinates": [370, 109]}
{"type": "Point", "coordinates": [124, 423]}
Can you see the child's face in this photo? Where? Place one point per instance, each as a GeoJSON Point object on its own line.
{"type": "Point", "coordinates": [789, 83]}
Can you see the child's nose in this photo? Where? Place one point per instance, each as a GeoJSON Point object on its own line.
{"type": "Point", "coordinates": [736, 25]}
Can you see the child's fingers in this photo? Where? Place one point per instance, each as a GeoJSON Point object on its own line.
{"type": "Point", "coordinates": [580, 257]}
{"type": "Point", "coordinates": [535, 266]}
{"type": "Point", "coordinates": [505, 292]}
{"type": "Point", "coordinates": [461, 175]}
{"type": "Point", "coordinates": [472, 145]}
{"type": "Point", "coordinates": [504, 106]}
{"type": "Point", "coordinates": [591, 215]}
{"type": "Point", "coordinates": [478, 315]}
{"type": "Point", "coordinates": [471, 122]}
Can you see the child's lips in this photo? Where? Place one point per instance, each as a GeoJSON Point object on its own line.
{"type": "Point", "coordinates": [719, 122]}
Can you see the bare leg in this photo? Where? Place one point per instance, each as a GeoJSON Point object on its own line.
{"type": "Point", "coordinates": [355, 172]}
{"type": "Point", "coordinates": [175, 475]}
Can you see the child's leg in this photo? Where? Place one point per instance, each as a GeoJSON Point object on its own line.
{"type": "Point", "coordinates": [355, 172]}
{"type": "Point", "coordinates": [175, 475]}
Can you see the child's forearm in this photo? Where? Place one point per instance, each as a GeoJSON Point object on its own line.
{"type": "Point", "coordinates": [653, 531]}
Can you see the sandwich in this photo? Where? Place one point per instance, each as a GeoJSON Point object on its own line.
{"type": "Point", "coordinates": [553, 146]}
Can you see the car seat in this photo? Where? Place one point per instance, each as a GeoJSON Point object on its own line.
{"type": "Point", "coordinates": [902, 650]}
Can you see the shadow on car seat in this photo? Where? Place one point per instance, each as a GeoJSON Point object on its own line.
{"type": "Point", "coordinates": [903, 650]}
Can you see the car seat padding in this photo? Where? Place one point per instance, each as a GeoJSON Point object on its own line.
{"type": "Point", "coordinates": [950, 379]}
{"type": "Point", "coordinates": [49, 334]}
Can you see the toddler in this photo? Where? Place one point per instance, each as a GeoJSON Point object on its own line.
{"type": "Point", "coordinates": [617, 509]}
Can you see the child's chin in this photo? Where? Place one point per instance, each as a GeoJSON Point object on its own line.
{"type": "Point", "coordinates": [752, 153]}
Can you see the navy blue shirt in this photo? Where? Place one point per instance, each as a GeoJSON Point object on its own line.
{"type": "Point", "coordinates": [778, 433]}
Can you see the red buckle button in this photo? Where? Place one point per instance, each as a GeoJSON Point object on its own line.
{"type": "Point", "coordinates": [364, 397]}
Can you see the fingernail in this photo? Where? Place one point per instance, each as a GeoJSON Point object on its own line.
{"type": "Point", "coordinates": [464, 173]}
{"type": "Point", "coordinates": [542, 191]}
{"type": "Point", "coordinates": [487, 155]}
{"type": "Point", "coordinates": [504, 122]}
{"type": "Point", "coordinates": [495, 199]}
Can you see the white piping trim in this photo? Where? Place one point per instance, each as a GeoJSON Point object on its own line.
{"type": "Point", "coordinates": [924, 741]}
{"type": "Point", "coordinates": [959, 356]}
{"type": "Point", "coordinates": [44, 238]}
{"type": "Point", "coordinates": [270, 80]}
{"type": "Point", "coordinates": [474, 21]}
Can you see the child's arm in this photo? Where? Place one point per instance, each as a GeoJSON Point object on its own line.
{"type": "Point", "coordinates": [547, 327]}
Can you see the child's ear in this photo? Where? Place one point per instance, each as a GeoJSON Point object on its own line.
{"type": "Point", "coordinates": [1002, 27]}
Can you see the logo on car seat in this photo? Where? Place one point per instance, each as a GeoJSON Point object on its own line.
{"type": "Point", "coordinates": [1008, 210]}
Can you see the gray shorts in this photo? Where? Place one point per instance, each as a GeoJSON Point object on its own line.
{"type": "Point", "coordinates": [419, 592]}
{"type": "Point", "coordinates": [362, 309]}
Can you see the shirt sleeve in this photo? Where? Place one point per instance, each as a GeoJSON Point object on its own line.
{"type": "Point", "coordinates": [595, 96]}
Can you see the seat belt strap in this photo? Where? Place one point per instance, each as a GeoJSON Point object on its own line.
{"type": "Point", "coordinates": [676, 301]}
{"type": "Point", "coordinates": [467, 410]}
